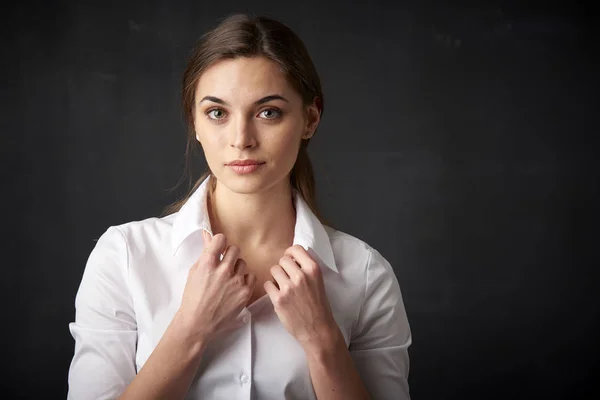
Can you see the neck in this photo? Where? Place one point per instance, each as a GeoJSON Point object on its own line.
{"type": "Point", "coordinates": [255, 220]}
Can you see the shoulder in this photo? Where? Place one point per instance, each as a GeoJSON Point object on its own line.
{"type": "Point", "coordinates": [139, 233]}
{"type": "Point", "coordinates": [351, 250]}
{"type": "Point", "coordinates": [349, 247]}
{"type": "Point", "coordinates": [344, 241]}
{"type": "Point", "coordinates": [147, 225]}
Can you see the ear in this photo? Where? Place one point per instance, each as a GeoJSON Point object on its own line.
{"type": "Point", "coordinates": [313, 117]}
{"type": "Point", "coordinates": [195, 128]}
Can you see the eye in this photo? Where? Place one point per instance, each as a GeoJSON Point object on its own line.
{"type": "Point", "coordinates": [271, 113]}
{"type": "Point", "coordinates": [216, 113]}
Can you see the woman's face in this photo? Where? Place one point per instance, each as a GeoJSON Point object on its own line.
{"type": "Point", "coordinates": [246, 109]}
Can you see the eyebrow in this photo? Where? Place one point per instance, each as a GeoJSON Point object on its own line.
{"type": "Point", "coordinates": [257, 102]}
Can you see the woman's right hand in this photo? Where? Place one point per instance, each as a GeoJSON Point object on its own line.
{"type": "Point", "coordinates": [216, 290]}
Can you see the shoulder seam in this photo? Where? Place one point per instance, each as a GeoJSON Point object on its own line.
{"type": "Point", "coordinates": [127, 258]}
{"type": "Point", "coordinates": [357, 318]}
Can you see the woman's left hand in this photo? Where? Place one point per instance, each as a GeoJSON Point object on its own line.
{"type": "Point", "coordinates": [300, 301]}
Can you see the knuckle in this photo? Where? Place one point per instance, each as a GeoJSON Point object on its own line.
{"type": "Point", "coordinates": [208, 253]}
{"type": "Point", "coordinates": [230, 255]}
{"type": "Point", "coordinates": [313, 273]}
{"type": "Point", "coordinates": [293, 281]}
{"type": "Point", "coordinates": [217, 240]}
{"type": "Point", "coordinates": [277, 300]}
{"type": "Point", "coordinates": [246, 292]}
{"type": "Point", "coordinates": [206, 259]}
{"type": "Point", "coordinates": [312, 268]}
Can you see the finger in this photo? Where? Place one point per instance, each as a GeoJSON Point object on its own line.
{"type": "Point", "coordinates": [230, 257]}
{"type": "Point", "coordinates": [301, 256]}
{"type": "Point", "coordinates": [271, 279]}
{"type": "Point", "coordinates": [250, 280]}
{"type": "Point", "coordinates": [240, 267]}
{"type": "Point", "coordinates": [206, 236]}
{"type": "Point", "coordinates": [280, 276]}
{"type": "Point", "coordinates": [291, 268]}
{"type": "Point", "coordinates": [217, 245]}
{"type": "Point", "coordinates": [271, 290]}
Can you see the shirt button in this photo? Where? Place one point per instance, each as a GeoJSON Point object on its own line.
{"type": "Point", "coordinates": [244, 378]}
{"type": "Point", "coordinates": [246, 319]}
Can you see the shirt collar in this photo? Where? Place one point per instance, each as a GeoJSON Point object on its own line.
{"type": "Point", "coordinates": [308, 232]}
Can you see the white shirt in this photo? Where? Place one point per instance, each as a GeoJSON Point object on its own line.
{"type": "Point", "coordinates": [133, 284]}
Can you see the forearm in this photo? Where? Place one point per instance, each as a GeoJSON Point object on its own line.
{"type": "Point", "coordinates": [332, 371]}
{"type": "Point", "coordinates": [170, 369]}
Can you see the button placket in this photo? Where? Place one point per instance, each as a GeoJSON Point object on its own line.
{"type": "Point", "coordinates": [245, 372]}
{"type": "Point", "coordinates": [245, 316]}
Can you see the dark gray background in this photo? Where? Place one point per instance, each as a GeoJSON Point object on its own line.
{"type": "Point", "coordinates": [457, 140]}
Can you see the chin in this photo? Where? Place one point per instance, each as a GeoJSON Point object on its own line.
{"type": "Point", "coordinates": [247, 183]}
{"type": "Point", "coordinates": [243, 183]}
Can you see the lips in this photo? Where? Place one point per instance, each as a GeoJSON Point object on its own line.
{"type": "Point", "coordinates": [245, 162]}
{"type": "Point", "coordinates": [246, 169]}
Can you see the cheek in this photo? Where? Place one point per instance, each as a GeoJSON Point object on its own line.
{"type": "Point", "coordinates": [206, 135]}
{"type": "Point", "coordinates": [285, 149]}
{"type": "Point", "coordinates": [211, 147]}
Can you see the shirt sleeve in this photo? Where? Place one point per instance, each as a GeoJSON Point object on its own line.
{"type": "Point", "coordinates": [105, 329]}
{"type": "Point", "coordinates": [382, 335]}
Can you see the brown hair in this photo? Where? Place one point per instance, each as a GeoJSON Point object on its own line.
{"type": "Point", "coordinates": [242, 35]}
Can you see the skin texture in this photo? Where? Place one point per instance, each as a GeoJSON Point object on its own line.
{"type": "Point", "coordinates": [252, 210]}
{"type": "Point", "coordinates": [250, 213]}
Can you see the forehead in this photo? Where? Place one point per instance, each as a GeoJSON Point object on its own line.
{"type": "Point", "coordinates": [244, 79]}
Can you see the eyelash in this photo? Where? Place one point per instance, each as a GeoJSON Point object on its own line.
{"type": "Point", "coordinates": [278, 113]}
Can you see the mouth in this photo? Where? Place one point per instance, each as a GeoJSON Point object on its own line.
{"type": "Point", "coordinates": [245, 162]}
{"type": "Point", "coordinates": [245, 168]}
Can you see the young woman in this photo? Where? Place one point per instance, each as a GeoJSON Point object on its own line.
{"type": "Point", "coordinates": [242, 291]}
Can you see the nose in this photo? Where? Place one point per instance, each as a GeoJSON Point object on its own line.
{"type": "Point", "coordinates": [242, 133]}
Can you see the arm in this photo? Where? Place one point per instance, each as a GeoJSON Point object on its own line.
{"type": "Point", "coordinates": [170, 368]}
{"type": "Point", "coordinates": [377, 361]}
{"type": "Point", "coordinates": [381, 336]}
{"type": "Point", "coordinates": [332, 370]}
{"type": "Point", "coordinates": [105, 333]}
